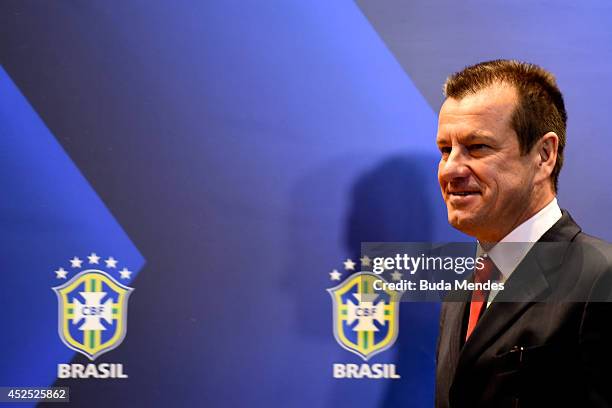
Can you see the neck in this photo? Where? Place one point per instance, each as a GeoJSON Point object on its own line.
{"type": "Point", "coordinates": [490, 238]}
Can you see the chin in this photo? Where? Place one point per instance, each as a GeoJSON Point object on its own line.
{"type": "Point", "coordinates": [465, 224]}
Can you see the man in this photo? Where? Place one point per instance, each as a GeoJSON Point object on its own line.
{"type": "Point", "coordinates": [501, 134]}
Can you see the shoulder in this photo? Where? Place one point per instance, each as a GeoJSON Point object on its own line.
{"type": "Point", "coordinates": [585, 251]}
{"type": "Point", "coordinates": [595, 257]}
{"type": "Point", "coordinates": [594, 249]}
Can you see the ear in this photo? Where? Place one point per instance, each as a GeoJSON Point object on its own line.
{"type": "Point", "coordinates": [546, 149]}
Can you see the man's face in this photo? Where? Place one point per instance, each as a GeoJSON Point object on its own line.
{"type": "Point", "coordinates": [485, 181]}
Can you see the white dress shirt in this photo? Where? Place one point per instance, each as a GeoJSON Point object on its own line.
{"type": "Point", "coordinates": [507, 257]}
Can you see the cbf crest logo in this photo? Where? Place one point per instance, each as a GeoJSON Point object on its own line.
{"type": "Point", "coordinates": [92, 305]}
{"type": "Point", "coordinates": [365, 320]}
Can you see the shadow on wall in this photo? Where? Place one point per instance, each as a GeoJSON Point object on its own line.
{"type": "Point", "coordinates": [392, 203]}
{"type": "Point", "coordinates": [396, 202]}
{"type": "Point", "coordinates": [331, 212]}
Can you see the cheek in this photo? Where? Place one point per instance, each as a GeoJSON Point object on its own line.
{"type": "Point", "coordinates": [511, 186]}
{"type": "Point", "coordinates": [485, 174]}
{"type": "Point", "coordinates": [498, 174]}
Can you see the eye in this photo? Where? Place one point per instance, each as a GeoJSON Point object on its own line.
{"type": "Point", "coordinates": [477, 147]}
{"type": "Point", "coordinates": [445, 150]}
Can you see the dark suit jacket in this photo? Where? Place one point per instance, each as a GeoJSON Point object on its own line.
{"type": "Point", "coordinates": [551, 348]}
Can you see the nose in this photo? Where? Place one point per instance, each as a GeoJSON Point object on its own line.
{"type": "Point", "coordinates": [455, 167]}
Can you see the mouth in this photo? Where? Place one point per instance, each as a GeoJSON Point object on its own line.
{"type": "Point", "coordinates": [463, 193]}
{"type": "Point", "coordinates": [461, 199]}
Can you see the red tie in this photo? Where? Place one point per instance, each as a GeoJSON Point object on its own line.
{"type": "Point", "coordinates": [479, 297]}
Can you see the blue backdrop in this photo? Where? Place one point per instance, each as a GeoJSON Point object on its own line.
{"type": "Point", "coordinates": [233, 153]}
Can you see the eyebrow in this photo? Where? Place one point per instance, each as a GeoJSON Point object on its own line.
{"type": "Point", "coordinates": [471, 138]}
{"type": "Point", "coordinates": [479, 136]}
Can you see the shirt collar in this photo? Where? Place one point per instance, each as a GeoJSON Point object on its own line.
{"type": "Point", "coordinates": [507, 257]}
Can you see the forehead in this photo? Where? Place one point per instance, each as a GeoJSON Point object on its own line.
{"type": "Point", "coordinates": [486, 111]}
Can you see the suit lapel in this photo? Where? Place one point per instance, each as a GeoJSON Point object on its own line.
{"type": "Point", "coordinates": [454, 317]}
{"type": "Point", "coordinates": [455, 304]}
{"type": "Point", "coordinates": [527, 283]}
